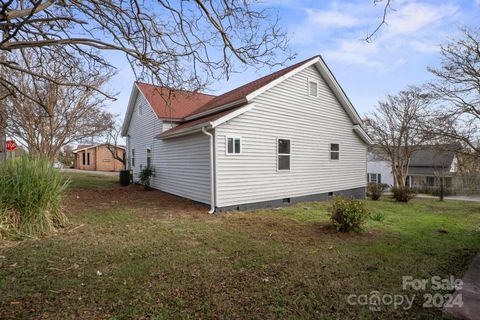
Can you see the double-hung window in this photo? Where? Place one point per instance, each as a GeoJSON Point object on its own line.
{"type": "Point", "coordinates": [334, 151]}
{"type": "Point", "coordinates": [312, 88]}
{"type": "Point", "coordinates": [374, 178]}
{"type": "Point", "coordinates": [149, 157]}
{"type": "Point", "coordinates": [234, 145]}
{"type": "Point", "coordinates": [283, 154]}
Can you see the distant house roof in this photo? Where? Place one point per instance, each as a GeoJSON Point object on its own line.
{"type": "Point", "coordinates": [83, 146]}
{"type": "Point", "coordinates": [427, 161]}
{"type": "Point", "coordinates": [194, 109]}
{"type": "Point", "coordinates": [90, 146]}
{"type": "Point", "coordinates": [432, 157]}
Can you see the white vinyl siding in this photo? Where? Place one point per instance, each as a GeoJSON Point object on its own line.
{"type": "Point", "coordinates": [288, 111]}
{"type": "Point", "coordinates": [181, 166]}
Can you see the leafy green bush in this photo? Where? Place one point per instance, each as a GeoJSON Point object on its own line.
{"type": "Point", "coordinates": [403, 194]}
{"type": "Point", "coordinates": [31, 192]}
{"type": "Point", "coordinates": [348, 214]}
{"type": "Point", "coordinates": [375, 190]}
{"type": "Point", "coordinates": [378, 216]}
{"type": "Point", "coordinates": [145, 176]}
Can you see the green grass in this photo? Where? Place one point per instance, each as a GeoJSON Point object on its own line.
{"type": "Point", "coordinates": [161, 257]}
{"type": "Point", "coordinates": [89, 180]}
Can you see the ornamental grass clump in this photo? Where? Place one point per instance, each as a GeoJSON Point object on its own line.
{"type": "Point", "coordinates": [348, 214]}
{"type": "Point", "coordinates": [31, 192]}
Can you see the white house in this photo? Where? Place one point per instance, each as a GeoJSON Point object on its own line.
{"type": "Point", "coordinates": [425, 168]}
{"type": "Point", "coordinates": [287, 137]}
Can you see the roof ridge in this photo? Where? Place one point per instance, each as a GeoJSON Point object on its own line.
{"type": "Point", "coordinates": [174, 90]}
{"type": "Point", "coordinates": [274, 75]}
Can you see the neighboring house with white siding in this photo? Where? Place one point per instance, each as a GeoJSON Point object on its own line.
{"type": "Point", "coordinates": [426, 167]}
{"type": "Point", "coordinates": [287, 137]}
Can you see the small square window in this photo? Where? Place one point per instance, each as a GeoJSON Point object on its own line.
{"type": "Point", "coordinates": [334, 151]}
{"type": "Point", "coordinates": [312, 88]}
{"type": "Point", "coordinates": [234, 145]}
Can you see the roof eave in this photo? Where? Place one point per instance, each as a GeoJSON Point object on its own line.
{"type": "Point", "coordinates": [362, 134]}
{"type": "Point", "coordinates": [165, 135]}
{"type": "Point", "coordinates": [215, 110]}
{"type": "Point", "coordinates": [128, 115]}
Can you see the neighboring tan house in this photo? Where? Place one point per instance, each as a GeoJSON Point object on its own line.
{"type": "Point", "coordinates": [98, 158]}
{"type": "Point", "coordinates": [287, 137]}
{"type": "Point", "coordinates": [425, 169]}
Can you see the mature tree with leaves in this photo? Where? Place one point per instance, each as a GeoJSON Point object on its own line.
{"type": "Point", "coordinates": [457, 88]}
{"type": "Point", "coordinates": [397, 127]}
{"type": "Point", "coordinates": [49, 116]}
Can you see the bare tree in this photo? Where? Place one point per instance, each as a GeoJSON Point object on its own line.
{"type": "Point", "coordinates": [387, 6]}
{"type": "Point", "coordinates": [49, 116]}
{"type": "Point", "coordinates": [176, 44]}
{"type": "Point", "coordinates": [113, 137]}
{"type": "Point", "coordinates": [397, 128]}
{"type": "Point", "coordinates": [457, 86]}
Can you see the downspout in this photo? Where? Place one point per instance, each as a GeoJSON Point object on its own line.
{"type": "Point", "coordinates": [212, 173]}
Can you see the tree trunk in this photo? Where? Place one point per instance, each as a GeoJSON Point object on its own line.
{"type": "Point", "coordinates": [442, 188]}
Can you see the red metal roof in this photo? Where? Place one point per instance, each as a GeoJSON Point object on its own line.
{"type": "Point", "coordinates": [174, 105]}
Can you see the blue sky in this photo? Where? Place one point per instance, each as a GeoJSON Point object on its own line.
{"type": "Point", "coordinates": [397, 57]}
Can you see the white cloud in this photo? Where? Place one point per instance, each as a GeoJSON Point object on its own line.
{"type": "Point", "coordinates": [331, 19]}
{"type": "Point", "coordinates": [413, 27]}
{"type": "Point", "coordinates": [415, 17]}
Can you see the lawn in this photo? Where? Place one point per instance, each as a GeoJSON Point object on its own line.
{"type": "Point", "coordinates": [130, 253]}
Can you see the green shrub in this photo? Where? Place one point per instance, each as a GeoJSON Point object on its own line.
{"type": "Point", "coordinates": [378, 216]}
{"type": "Point", "coordinates": [31, 192]}
{"type": "Point", "coordinates": [348, 214]}
{"type": "Point", "coordinates": [145, 176]}
{"type": "Point", "coordinates": [403, 194]}
{"type": "Point", "coordinates": [375, 190]}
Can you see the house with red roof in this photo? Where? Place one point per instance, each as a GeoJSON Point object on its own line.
{"type": "Point", "coordinates": [287, 137]}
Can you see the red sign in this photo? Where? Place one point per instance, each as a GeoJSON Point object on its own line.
{"type": "Point", "coordinates": [11, 145]}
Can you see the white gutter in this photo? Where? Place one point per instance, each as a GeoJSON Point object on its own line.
{"type": "Point", "coordinates": [212, 173]}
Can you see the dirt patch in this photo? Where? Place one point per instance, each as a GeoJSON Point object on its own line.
{"type": "Point", "coordinates": [152, 203]}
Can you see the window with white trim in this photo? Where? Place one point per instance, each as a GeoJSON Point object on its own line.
{"type": "Point", "coordinates": [234, 145]}
{"type": "Point", "coordinates": [133, 157]}
{"type": "Point", "coordinates": [374, 178]}
{"type": "Point", "coordinates": [312, 88]}
{"type": "Point", "coordinates": [334, 151]}
{"type": "Point", "coordinates": [283, 154]}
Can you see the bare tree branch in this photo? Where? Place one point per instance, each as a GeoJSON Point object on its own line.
{"type": "Point", "coordinates": [398, 129]}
